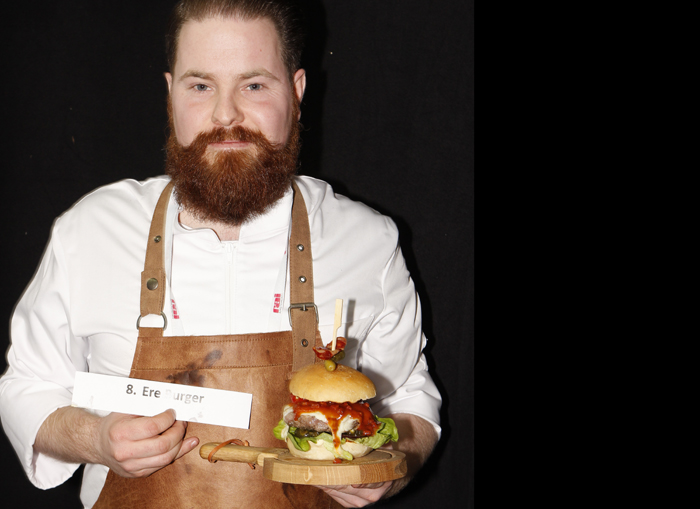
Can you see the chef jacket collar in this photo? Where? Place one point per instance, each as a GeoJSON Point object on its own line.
{"type": "Point", "coordinates": [260, 227]}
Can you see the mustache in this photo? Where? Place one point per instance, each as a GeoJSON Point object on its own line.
{"type": "Point", "coordinates": [235, 133]}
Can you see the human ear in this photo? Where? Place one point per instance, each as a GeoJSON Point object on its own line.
{"type": "Point", "coordinates": [300, 85]}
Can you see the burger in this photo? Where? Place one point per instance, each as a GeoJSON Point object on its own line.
{"type": "Point", "coordinates": [329, 417]}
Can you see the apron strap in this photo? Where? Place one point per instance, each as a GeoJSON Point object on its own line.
{"type": "Point", "coordinates": [301, 285]}
{"type": "Point", "coordinates": [303, 320]}
{"type": "Point", "coordinates": [153, 277]}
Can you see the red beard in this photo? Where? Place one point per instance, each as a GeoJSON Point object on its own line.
{"type": "Point", "coordinates": [237, 185]}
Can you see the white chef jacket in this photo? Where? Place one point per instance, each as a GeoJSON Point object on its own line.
{"type": "Point", "coordinates": [79, 312]}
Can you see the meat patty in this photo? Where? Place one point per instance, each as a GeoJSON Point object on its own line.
{"type": "Point", "coordinates": [308, 421]}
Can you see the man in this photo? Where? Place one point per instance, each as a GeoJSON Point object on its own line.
{"type": "Point", "coordinates": [224, 277]}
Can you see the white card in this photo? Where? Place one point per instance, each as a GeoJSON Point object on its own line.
{"type": "Point", "coordinates": [146, 398]}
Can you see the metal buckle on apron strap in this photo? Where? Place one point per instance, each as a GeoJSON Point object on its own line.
{"type": "Point", "coordinates": [165, 321]}
{"type": "Point", "coordinates": [303, 307]}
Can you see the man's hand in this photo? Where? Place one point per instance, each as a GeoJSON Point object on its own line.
{"type": "Point", "coordinates": [138, 446]}
{"type": "Point", "coordinates": [417, 438]}
{"type": "Point", "coordinates": [131, 446]}
{"type": "Point", "coordinates": [357, 495]}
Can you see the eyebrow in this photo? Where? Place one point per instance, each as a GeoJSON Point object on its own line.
{"type": "Point", "coordinates": [196, 74]}
{"type": "Point", "coordinates": [247, 75]}
{"type": "Point", "coordinates": [258, 72]}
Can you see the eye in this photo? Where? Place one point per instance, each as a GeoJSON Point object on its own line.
{"type": "Point", "coordinates": [201, 88]}
{"type": "Point", "coordinates": [255, 87]}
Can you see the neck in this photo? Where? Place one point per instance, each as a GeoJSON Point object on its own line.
{"type": "Point", "coordinates": [225, 232]}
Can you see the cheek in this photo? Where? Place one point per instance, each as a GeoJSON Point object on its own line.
{"type": "Point", "coordinates": [185, 127]}
{"type": "Point", "coordinates": [188, 121]}
{"type": "Point", "coordinates": [276, 124]}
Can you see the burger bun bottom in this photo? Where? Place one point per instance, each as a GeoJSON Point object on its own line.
{"type": "Point", "coordinates": [319, 452]}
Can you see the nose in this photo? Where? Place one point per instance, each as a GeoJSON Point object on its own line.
{"type": "Point", "coordinates": [226, 111]}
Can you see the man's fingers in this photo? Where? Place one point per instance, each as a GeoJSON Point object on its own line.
{"type": "Point", "coordinates": [147, 427]}
{"type": "Point", "coordinates": [131, 428]}
{"type": "Point", "coordinates": [161, 446]}
{"type": "Point", "coordinates": [187, 446]}
{"type": "Point", "coordinates": [355, 496]}
{"type": "Point", "coordinates": [138, 446]}
{"type": "Point", "coordinates": [135, 446]}
{"type": "Point", "coordinates": [349, 488]}
{"type": "Point", "coordinates": [149, 464]}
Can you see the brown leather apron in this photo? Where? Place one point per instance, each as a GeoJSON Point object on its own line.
{"type": "Point", "coordinates": [260, 364]}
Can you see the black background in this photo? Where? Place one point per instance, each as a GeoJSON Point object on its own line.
{"type": "Point", "coordinates": [388, 118]}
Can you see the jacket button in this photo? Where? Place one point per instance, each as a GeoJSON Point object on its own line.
{"type": "Point", "coordinates": [152, 284]}
{"type": "Point", "coordinates": [302, 279]}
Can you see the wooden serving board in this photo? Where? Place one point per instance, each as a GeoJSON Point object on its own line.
{"type": "Point", "coordinates": [279, 465]}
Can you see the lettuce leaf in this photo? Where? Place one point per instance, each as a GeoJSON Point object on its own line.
{"type": "Point", "coordinates": [279, 429]}
{"type": "Point", "coordinates": [340, 453]}
{"type": "Point", "coordinates": [389, 428]}
{"type": "Point", "coordinates": [282, 431]}
{"type": "Point", "coordinates": [386, 433]}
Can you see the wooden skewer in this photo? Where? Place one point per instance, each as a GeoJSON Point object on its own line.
{"type": "Point", "coordinates": [337, 321]}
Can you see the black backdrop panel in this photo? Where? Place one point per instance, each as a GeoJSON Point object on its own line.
{"type": "Point", "coordinates": [388, 118]}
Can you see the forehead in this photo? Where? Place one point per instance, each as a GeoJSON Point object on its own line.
{"type": "Point", "coordinates": [228, 44]}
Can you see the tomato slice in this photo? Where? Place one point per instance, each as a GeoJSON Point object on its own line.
{"type": "Point", "coordinates": [324, 353]}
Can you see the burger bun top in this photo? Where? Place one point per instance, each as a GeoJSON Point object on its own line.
{"type": "Point", "coordinates": [315, 383]}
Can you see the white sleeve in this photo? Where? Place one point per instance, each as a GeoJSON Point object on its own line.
{"type": "Point", "coordinates": [392, 354]}
{"type": "Point", "coordinates": [43, 358]}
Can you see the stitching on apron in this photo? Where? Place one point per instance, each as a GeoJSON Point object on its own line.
{"type": "Point", "coordinates": [136, 357]}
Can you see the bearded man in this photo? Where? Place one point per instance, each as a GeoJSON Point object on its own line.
{"type": "Point", "coordinates": [212, 259]}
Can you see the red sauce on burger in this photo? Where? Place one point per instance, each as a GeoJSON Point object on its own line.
{"type": "Point", "coordinates": [336, 412]}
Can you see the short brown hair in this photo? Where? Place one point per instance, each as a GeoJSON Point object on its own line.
{"type": "Point", "coordinates": [284, 15]}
